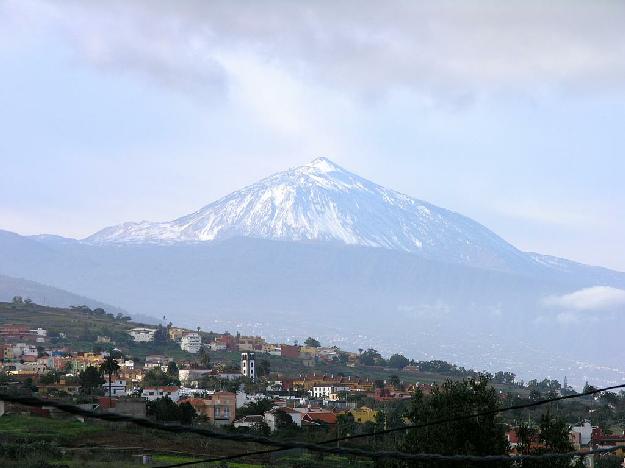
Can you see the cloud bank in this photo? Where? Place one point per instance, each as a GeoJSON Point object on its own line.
{"type": "Point", "coordinates": [442, 49]}
{"type": "Point", "coordinates": [596, 298]}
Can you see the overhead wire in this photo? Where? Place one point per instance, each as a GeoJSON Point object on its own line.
{"type": "Point", "coordinates": [283, 445]}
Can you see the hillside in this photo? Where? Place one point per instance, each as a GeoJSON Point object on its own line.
{"type": "Point", "coordinates": [81, 328]}
{"type": "Point", "coordinates": [48, 295]}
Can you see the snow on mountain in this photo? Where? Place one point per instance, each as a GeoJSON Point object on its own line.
{"type": "Point", "coordinates": [321, 201]}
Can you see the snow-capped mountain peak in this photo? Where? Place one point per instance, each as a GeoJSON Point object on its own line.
{"type": "Point", "coordinates": [323, 164]}
{"type": "Point", "coordinates": [321, 201]}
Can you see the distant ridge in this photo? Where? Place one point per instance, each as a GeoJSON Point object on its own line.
{"type": "Point", "coordinates": [47, 295]}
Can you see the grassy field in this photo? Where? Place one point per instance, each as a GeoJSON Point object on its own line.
{"type": "Point", "coordinates": [34, 428]}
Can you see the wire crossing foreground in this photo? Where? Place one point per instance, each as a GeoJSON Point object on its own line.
{"type": "Point", "coordinates": [321, 447]}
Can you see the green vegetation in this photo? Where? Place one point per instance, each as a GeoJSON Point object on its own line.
{"type": "Point", "coordinates": [35, 429]}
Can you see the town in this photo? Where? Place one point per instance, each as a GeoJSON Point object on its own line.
{"type": "Point", "coordinates": [244, 383]}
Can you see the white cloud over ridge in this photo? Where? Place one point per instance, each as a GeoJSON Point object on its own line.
{"type": "Point", "coordinates": [596, 298]}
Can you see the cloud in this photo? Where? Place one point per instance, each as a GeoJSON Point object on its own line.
{"type": "Point", "coordinates": [596, 298]}
{"type": "Point", "coordinates": [442, 49]}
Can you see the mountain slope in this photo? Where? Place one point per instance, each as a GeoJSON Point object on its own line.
{"type": "Point", "coordinates": [323, 202]}
{"type": "Point", "coordinates": [47, 295]}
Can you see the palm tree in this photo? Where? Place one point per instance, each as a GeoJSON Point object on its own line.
{"type": "Point", "coordinates": [109, 367]}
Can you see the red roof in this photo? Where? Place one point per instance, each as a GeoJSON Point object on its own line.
{"type": "Point", "coordinates": [326, 417]}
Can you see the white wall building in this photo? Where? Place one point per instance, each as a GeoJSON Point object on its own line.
{"type": "Point", "coordinates": [118, 388]}
{"type": "Point", "coordinates": [585, 432]}
{"type": "Point", "coordinates": [154, 393]}
{"type": "Point", "coordinates": [24, 349]}
{"type": "Point", "coordinates": [248, 365]}
{"type": "Point", "coordinates": [142, 335]}
{"type": "Point", "coordinates": [326, 391]}
{"type": "Point", "coordinates": [191, 342]}
{"type": "Point", "coordinates": [215, 346]}
{"type": "Point", "coordinates": [191, 375]}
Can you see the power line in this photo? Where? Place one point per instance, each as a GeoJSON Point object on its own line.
{"type": "Point", "coordinates": [280, 445]}
{"type": "Point", "coordinates": [430, 423]}
{"type": "Point", "coordinates": [476, 415]}
{"type": "Point", "coordinates": [436, 457]}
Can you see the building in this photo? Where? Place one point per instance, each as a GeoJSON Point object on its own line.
{"type": "Point", "coordinates": [118, 388]}
{"type": "Point", "coordinates": [364, 414]}
{"type": "Point", "coordinates": [328, 391]}
{"type": "Point", "coordinates": [191, 375]}
{"type": "Point", "coordinates": [191, 342]}
{"type": "Point", "coordinates": [289, 351]}
{"type": "Point", "coordinates": [250, 343]}
{"type": "Point", "coordinates": [154, 393]}
{"type": "Point", "coordinates": [176, 333]}
{"type": "Point", "coordinates": [225, 341]}
{"type": "Point", "coordinates": [248, 365]}
{"type": "Point", "coordinates": [20, 350]}
{"type": "Point", "coordinates": [585, 432]}
{"type": "Point", "coordinates": [134, 407]}
{"type": "Point", "coordinates": [154, 361]}
{"type": "Point", "coordinates": [320, 417]}
{"type": "Point", "coordinates": [142, 335]}
{"type": "Point", "coordinates": [219, 408]}
{"type": "Point", "coordinates": [14, 332]}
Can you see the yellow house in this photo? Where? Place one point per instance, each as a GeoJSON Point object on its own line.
{"type": "Point", "coordinates": [364, 414]}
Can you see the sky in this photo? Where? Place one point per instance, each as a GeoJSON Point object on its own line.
{"type": "Point", "coordinates": [510, 113]}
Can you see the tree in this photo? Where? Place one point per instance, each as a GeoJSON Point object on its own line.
{"type": "Point", "coordinates": [204, 358]}
{"type": "Point", "coordinates": [17, 300]}
{"type": "Point", "coordinates": [157, 378]}
{"type": "Point", "coordinates": [394, 381]}
{"type": "Point", "coordinates": [551, 436]}
{"type": "Point", "coordinates": [283, 420]}
{"type": "Point", "coordinates": [49, 378]}
{"type": "Point", "coordinates": [312, 342]}
{"type": "Point", "coordinates": [398, 361]}
{"type": "Point", "coordinates": [109, 367]}
{"type": "Point", "coordinates": [255, 407]}
{"type": "Point", "coordinates": [161, 335]}
{"type": "Point", "coordinates": [172, 369]}
{"type": "Point", "coordinates": [187, 413]}
{"type": "Point", "coordinates": [90, 380]}
{"type": "Point", "coordinates": [164, 409]}
{"type": "Point", "coordinates": [263, 368]}
{"type": "Point", "coordinates": [371, 357]}
{"type": "Point", "coordinates": [475, 436]}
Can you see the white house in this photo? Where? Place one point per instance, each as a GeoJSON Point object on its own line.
{"type": "Point", "coordinates": [585, 432]}
{"type": "Point", "coordinates": [40, 334]}
{"type": "Point", "coordinates": [118, 388]}
{"type": "Point", "coordinates": [128, 364]}
{"type": "Point", "coordinates": [326, 391]}
{"type": "Point", "coordinates": [24, 349]}
{"type": "Point", "coordinates": [215, 346]}
{"type": "Point", "coordinates": [142, 335]}
{"type": "Point", "coordinates": [154, 393]}
{"type": "Point", "coordinates": [191, 375]}
{"type": "Point", "coordinates": [191, 342]}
